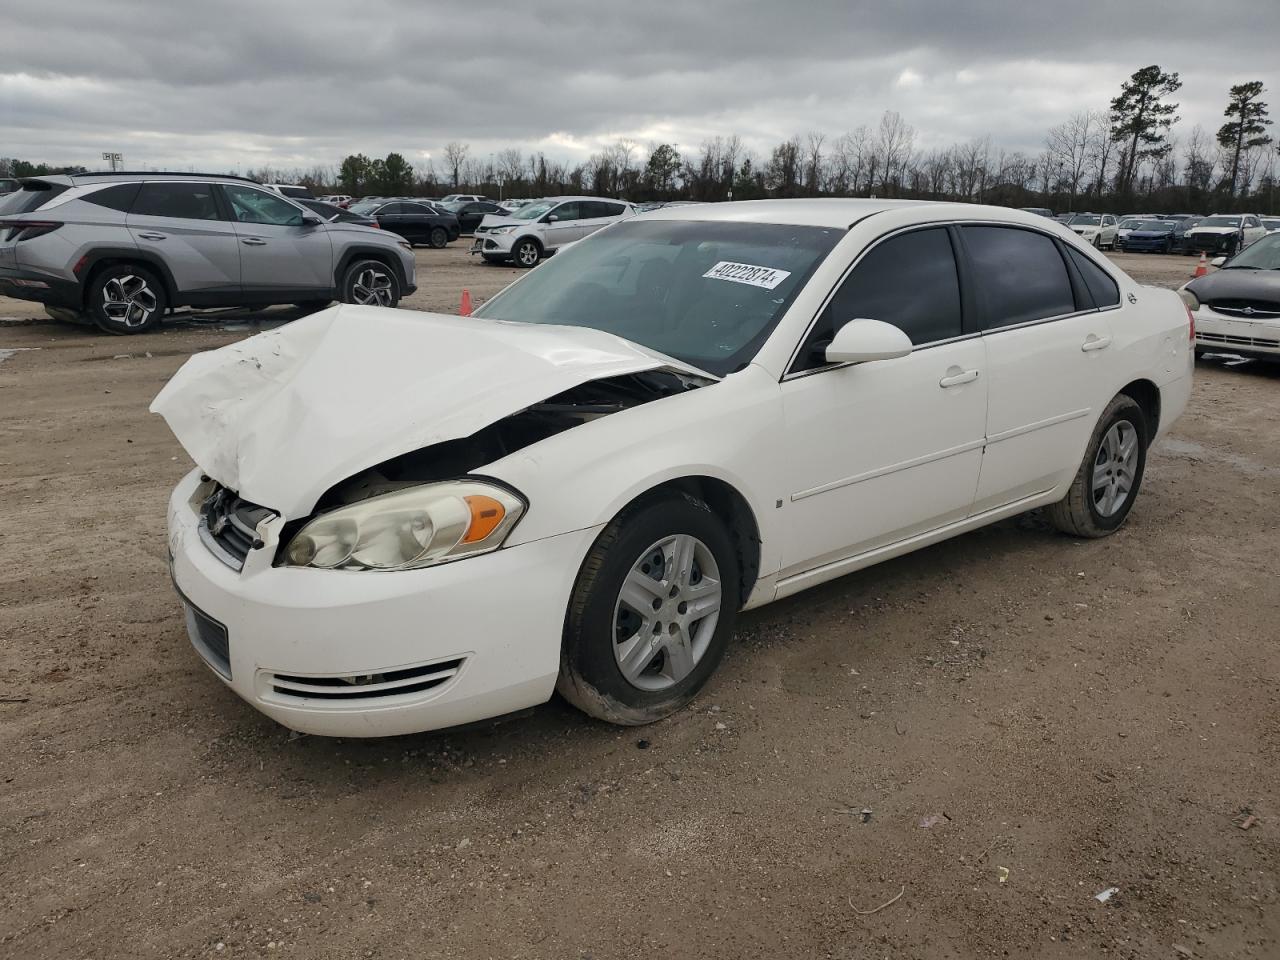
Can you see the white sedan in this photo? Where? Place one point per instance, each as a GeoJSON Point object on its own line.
{"type": "Point", "coordinates": [403, 521]}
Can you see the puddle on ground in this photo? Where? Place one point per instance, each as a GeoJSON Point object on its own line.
{"type": "Point", "coordinates": [1198, 451]}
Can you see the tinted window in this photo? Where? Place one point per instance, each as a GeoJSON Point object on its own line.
{"type": "Point", "coordinates": [568, 211]}
{"type": "Point", "coordinates": [117, 197]}
{"type": "Point", "coordinates": [909, 281]}
{"type": "Point", "coordinates": [1020, 275]}
{"type": "Point", "coordinates": [596, 209]}
{"type": "Point", "coordinates": [258, 206]}
{"type": "Point", "coordinates": [33, 195]}
{"type": "Point", "coordinates": [393, 209]}
{"type": "Point", "coordinates": [1102, 288]}
{"type": "Point", "coordinates": [184, 201]}
{"type": "Point", "coordinates": [417, 209]}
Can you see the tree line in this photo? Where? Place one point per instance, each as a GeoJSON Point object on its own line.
{"type": "Point", "coordinates": [1126, 156]}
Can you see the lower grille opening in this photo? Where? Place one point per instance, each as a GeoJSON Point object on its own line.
{"type": "Point", "coordinates": [370, 686]}
{"type": "Point", "coordinates": [209, 637]}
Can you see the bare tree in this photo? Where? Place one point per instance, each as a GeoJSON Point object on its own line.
{"type": "Point", "coordinates": [1068, 146]}
{"type": "Point", "coordinates": [455, 155]}
{"type": "Point", "coordinates": [895, 141]}
{"type": "Point", "coordinates": [813, 160]}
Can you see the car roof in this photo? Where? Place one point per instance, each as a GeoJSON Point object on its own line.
{"type": "Point", "coordinates": [837, 212]}
{"type": "Point", "coordinates": [130, 176]}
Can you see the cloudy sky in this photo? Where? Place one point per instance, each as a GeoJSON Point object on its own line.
{"type": "Point", "coordinates": [182, 85]}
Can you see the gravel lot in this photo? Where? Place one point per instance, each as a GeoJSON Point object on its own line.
{"type": "Point", "coordinates": [1029, 719]}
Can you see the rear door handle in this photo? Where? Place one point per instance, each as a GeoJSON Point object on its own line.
{"type": "Point", "coordinates": [253, 241]}
{"type": "Point", "coordinates": [152, 236]}
{"type": "Point", "coordinates": [1093, 342]}
{"type": "Point", "coordinates": [955, 376]}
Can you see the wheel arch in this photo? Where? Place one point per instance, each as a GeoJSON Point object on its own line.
{"type": "Point", "coordinates": [1147, 396]}
{"type": "Point", "coordinates": [105, 258]}
{"type": "Point", "coordinates": [729, 506]}
{"type": "Point", "coordinates": [386, 257]}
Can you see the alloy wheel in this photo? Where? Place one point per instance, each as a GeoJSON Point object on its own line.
{"type": "Point", "coordinates": [129, 300]}
{"type": "Point", "coordinates": [373, 287]}
{"type": "Point", "coordinates": [1115, 468]}
{"type": "Point", "coordinates": [527, 254]}
{"type": "Point", "coordinates": [666, 612]}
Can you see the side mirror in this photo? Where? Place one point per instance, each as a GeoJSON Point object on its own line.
{"type": "Point", "coordinates": [551, 218]}
{"type": "Point", "coordinates": [863, 340]}
{"type": "Point", "coordinates": [1217, 261]}
{"type": "Point", "coordinates": [311, 220]}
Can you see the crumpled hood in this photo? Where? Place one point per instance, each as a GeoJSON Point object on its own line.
{"type": "Point", "coordinates": [283, 416]}
{"type": "Point", "coordinates": [501, 220]}
{"type": "Point", "coordinates": [1214, 230]}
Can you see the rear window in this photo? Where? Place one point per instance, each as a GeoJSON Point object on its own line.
{"type": "Point", "coordinates": [1102, 288]}
{"type": "Point", "coordinates": [33, 195]}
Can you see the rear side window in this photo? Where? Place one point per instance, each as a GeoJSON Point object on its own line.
{"type": "Point", "coordinates": [1102, 288]}
{"type": "Point", "coordinates": [1019, 274]}
{"type": "Point", "coordinates": [182, 201]}
{"type": "Point", "coordinates": [119, 196]}
{"type": "Point", "coordinates": [598, 209]}
{"type": "Point", "coordinates": [909, 281]}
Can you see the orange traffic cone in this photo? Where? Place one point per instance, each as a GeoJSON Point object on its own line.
{"type": "Point", "coordinates": [465, 310]}
{"type": "Point", "coordinates": [1203, 266]}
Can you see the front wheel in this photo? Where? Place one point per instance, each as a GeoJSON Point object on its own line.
{"type": "Point", "coordinates": [371, 283]}
{"type": "Point", "coordinates": [126, 299]}
{"type": "Point", "coordinates": [1102, 493]}
{"type": "Point", "coordinates": [526, 253]}
{"type": "Point", "coordinates": [439, 237]}
{"type": "Point", "coordinates": [651, 613]}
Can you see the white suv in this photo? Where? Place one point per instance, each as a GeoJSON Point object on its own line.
{"type": "Point", "coordinates": [539, 229]}
{"type": "Point", "coordinates": [1100, 230]}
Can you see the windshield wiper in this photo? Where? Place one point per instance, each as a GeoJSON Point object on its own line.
{"type": "Point", "coordinates": [1239, 266]}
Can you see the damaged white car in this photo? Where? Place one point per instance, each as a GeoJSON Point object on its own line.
{"type": "Point", "coordinates": [403, 521]}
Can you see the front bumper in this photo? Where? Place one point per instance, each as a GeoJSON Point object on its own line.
{"type": "Point", "coordinates": [1144, 245]}
{"type": "Point", "coordinates": [405, 652]}
{"type": "Point", "coordinates": [1210, 242]}
{"type": "Point", "coordinates": [22, 283]}
{"type": "Point", "coordinates": [1220, 333]}
{"type": "Point", "coordinates": [493, 244]}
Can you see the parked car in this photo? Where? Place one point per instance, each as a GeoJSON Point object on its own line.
{"type": "Point", "coordinates": [540, 229]}
{"type": "Point", "coordinates": [126, 248]}
{"type": "Point", "coordinates": [416, 222]}
{"type": "Point", "coordinates": [1237, 307]}
{"type": "Point", "coordinates": [1224, 234]}
{"type": "Point", "coordinates": [1271, 224]}
{"type": "Point", "coordinates": [338, 199]}
{"type": "Point", "coordinates": [403, 522]}
{"type": "Point", "coordinates": [471, 213]}
{"type": "Point", "coordinates": [462, 198]}
{"type": "Point", "coordinates": [1100, 230]}
{"type": "Point", "coordinates": [331, 212]}
{"type": "Point", "coordinates": [292, 190]}
{"type": "Point", "coordinates": [1123, 228]}
{"type": "Point", "coordinates": [511, 206]}
{"type": "Point", "coordinates": [1152, 236]}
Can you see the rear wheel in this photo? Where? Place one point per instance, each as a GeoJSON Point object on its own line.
{"type": "Point", "coordinates": [126, 299]}
{"type": "Point", "coordinates": [439, 237]}
{"type": "Point", "coordinates": [651, 613]}
{"type": "Point", "coordinates": [526, 253]}
{"type": "Point", "coordinates": [371, 283]}
{"type": "Point", "coordinates": [1102, 493]}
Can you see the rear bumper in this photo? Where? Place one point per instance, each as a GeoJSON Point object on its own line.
{"type": "Point", "coordinates": [22, 283]}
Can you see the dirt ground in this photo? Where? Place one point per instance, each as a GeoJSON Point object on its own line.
{"type": "Point", "coordinates": [983, 735]}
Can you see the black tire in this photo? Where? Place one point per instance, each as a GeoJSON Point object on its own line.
{"type": "Point", "coordinates": [357, 279]}
{"type": "Point", "coordinates": [590, 677]}
{"type": "Point", "coordinates": [439, 237]}
{"type": "Point", "coordinates": [126, 298]}
{"type": "Point", "coordinates": [490, 259]}
{"type": "Point", "coordinates": [1078, 512]}
{"type": "Point", "coordinates": [526, 253]}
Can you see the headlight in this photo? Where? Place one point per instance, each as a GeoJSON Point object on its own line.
{"type": "Point", "coordinates": [502, 229]}
{"type": "Point", "coordinates": [1190, 299]}
{"type": "Point", "coordinates": [411, 528]}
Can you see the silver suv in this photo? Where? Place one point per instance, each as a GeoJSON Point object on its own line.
{"type": "Point", "coordinates": [125, 248]}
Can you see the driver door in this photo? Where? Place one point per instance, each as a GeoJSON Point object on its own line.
{"type": "Point", "coordinates": [879, 452]}
{"type": "Point", "coordinates": [280, 256]}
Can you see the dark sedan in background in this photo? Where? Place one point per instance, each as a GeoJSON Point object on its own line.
{"type": "Point", "coordinates": [416, 222]}
{"type": "Point", "coordinates": [471, 212]}
{"type": "Point", "coordinates": [332, 213]}
{"type": "Point", "coordinates": [1156, 236]}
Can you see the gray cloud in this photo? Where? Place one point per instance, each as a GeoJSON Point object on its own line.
{"type": "Point", "coordinates": [294, 83]}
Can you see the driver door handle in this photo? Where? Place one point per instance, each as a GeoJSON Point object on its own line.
{"type": "Point", "coordinates": [955, 376]}
{"type": "Point", "coordinates": [1093, 342]}
{"type": "Point", "coordinates": [152, 236]}
{"type": "Point", "coordinates": [253, 241]}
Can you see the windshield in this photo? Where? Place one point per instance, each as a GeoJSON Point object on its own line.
{"type": "Point", "coordinates": [708, 294]}
{"type": "Point", "coordinates": [532, 211]}
{"type": "Point", "coordinates": [366, 207]}
{"type": "Point", "coordinates": [1085, 220]}
{"type": "Point", "coordinates": [1219, 222]}
{"type": "Point", "coordinates": [1263, 254]}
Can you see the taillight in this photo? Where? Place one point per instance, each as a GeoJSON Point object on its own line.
{"type": "Point", "coordinates": [26, 229]}
{"type": "Point", "coordinates": [376, 225]}
{"type": "Point", "coordinates": [1191, 325]}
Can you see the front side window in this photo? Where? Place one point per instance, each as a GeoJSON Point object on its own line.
{"type": "Point", "coordinates": [708, 294]}
{"type": "Point", "coordinates": [1020, 275]}
{"type": "Point", "coordinates": [182, 201]}
{"type": "Point", "coordinates": [909, 281]}
{"type": "Point", "coordinates": [258, 206]}
{"type": "Point", "coordinates": [568, 211]}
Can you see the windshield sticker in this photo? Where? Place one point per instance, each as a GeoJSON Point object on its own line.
{"type": "Point", "coordinates": [754, 276]}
